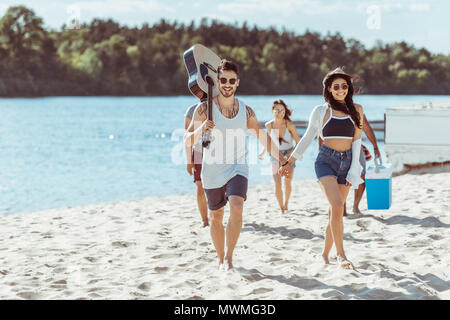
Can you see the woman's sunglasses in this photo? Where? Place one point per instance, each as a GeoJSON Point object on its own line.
{"type": "Point", "coordinates": [344, 86]}
{"type": "Point", "coordinates": [225, 80]}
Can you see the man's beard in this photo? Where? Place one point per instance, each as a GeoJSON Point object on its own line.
{"type": "Point", "coordinates": [227, 94]}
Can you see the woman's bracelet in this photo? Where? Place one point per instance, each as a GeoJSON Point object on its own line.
{"type": "Point", "coordinates": [287, 162]}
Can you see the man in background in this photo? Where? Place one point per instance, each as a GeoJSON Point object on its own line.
{"type": "Point", "coordinates": [364, 157]}
{"type": "Point", "coordinates": [194, 157]}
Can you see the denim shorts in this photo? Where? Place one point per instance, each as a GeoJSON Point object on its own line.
{"type": "Point", "coordinates": [330, 162]}
{"type": "Point", "coordinates": [284, 153]}
{"type": "Point", "coordinates": [218, 197]}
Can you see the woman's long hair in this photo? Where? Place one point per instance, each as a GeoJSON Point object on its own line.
{"type": "Point", "coordinates": [287, 114]}
{"type": "Point", "coordinates": [287, 111]}
{"type": "Point", "coordinates": [349, 106]}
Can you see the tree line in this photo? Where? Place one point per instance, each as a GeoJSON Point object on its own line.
{"type": "Point", "coordinates": [105, 58]}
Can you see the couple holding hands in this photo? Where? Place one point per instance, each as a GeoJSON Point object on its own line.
{"type": "Point", "coordinates": [338, 123]}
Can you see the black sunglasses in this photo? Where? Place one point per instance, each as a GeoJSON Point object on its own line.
{"type": "Point", "coordinates": [344, 86]}
{"type": "Point", "coordinates": [225, 80]}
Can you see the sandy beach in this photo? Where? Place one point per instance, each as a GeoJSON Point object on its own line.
{"type": "Point", "coordinates": [155, 248]}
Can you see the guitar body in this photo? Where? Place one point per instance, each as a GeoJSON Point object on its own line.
{"type": "Point", "coordinates": [201, 62]}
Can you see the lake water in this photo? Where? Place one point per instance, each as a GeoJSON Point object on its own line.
{"type": "Point", "coordinates": [70, 151]}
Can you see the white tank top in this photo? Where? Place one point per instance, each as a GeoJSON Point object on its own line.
{"type": "Point", "coordinates": [286, 144]}
{"type": "Point", "coordinates": [226, 156]}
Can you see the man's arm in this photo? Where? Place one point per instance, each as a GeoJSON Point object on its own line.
{"type": "Point", "coordinates": [371, 136]}
{"type": "Point", "coordinates": [263, 136]}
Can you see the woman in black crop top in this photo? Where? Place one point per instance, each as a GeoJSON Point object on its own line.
{"type": "Point", "coordinates": [335, 165]}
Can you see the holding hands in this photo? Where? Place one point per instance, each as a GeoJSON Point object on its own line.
{"type": "Point", "coordinates": [285, 170]}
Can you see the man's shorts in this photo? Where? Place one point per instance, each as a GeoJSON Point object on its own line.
{"type": "Point", "coordinates": [218, 197]}
{"type": "Point", "coordinates": [197, 161]}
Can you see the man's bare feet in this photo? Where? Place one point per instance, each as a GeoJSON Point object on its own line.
{"type": "Point", "coordinates": [356, 211]}
{"type": "Point", "coordinates": [205, 223]}
{"type": "Point", "coordinates": [325, 259]}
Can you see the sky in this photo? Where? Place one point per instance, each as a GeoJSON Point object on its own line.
{"type": "Point", "coordinates": [418, 22]}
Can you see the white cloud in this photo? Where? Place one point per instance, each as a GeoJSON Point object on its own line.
{"type": "Point", "coordinates": [113, 8]}
{"type": "Point", "coordinates": [284, 7]}
{"type": "Point", "coordinates": [3, 8]}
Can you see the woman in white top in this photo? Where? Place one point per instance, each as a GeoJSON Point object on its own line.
{"type": "Point", "coordinates": [338, 122]}
{"type": "Point", "coordinates": [282, 131]}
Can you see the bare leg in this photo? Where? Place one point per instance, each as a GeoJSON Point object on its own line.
{"type": "Point", "coordinates": [328, 240]}
{"type": "Point", "coordinates": [278, 186]}
{"type": "Point", "coordinates": [234, 226]}
{"type": "Point", "coordinates": [201, 203]}
{"type": "Point", "coordinates": [218, 233]}
{"type": "Point", "coordinates": [358, 196]}
{"type": "Point", "coordinates": [287, 190]}
{"type": "Point", "coordinates": [336, 196]}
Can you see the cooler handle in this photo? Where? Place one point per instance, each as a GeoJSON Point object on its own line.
{"type": "Point", "coordinates": [377, 166]}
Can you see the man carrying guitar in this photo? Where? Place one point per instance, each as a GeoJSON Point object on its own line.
{"type": "Point", "coordinates": [224, 168]}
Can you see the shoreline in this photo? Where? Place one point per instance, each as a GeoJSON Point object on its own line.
{"type": "Point", "coordinates": [155, 248]}
{"type": "Point", "coordinates": [431, 168]}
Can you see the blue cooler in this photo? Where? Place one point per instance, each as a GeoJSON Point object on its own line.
{"type": "Point", "coordinates": [379, 186]}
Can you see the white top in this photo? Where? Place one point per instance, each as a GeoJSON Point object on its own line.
{"type": "Point", "coordinates": [226, 156]}
{"type": "Point", "coordinates": [315, 126]}
{"type": "Point", "coordinates": [287, 139]}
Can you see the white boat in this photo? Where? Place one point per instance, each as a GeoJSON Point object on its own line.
{"type": "Point", "coordinates": [417, 135]}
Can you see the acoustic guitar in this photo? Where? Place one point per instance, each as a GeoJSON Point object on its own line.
{"type": "Point", "coordinates": [201, 64]}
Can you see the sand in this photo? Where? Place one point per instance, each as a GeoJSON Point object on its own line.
{"type": "Point", "coordinates": [155, 248]}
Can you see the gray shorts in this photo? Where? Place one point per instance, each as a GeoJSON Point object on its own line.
{"type": "Point", "coordinates": [362, 161]}
{"type": "Point", "coordinates": [218, 197]}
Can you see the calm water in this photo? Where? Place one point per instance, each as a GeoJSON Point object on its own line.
{"type": "Point", "coordinates": [70, 151]}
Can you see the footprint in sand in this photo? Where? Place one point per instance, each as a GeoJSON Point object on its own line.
{"type": "Point", "coordinates": [29, 295]}
{"type": "Point", "coordinates": [91, 259]}
{"type": "Point", "coordinates": [161, 269]}
{"type": "Point", "coordinates": [167, 255]}
{"type": "Point", "coordinates": [435, 237]}
{"type": "Point", "coordinates": [261, 290]}
{"type": "Point", "coordinates": [145, 286]}
{"type": "Point", "coordinates": [123, 244]}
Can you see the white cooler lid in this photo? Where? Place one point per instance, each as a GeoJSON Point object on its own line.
{"type": "Point", "coordinates": [385, 172]}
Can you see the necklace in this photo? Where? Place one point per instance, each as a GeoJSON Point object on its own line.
{"type": "Point", "coordinates": [228, 113]}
